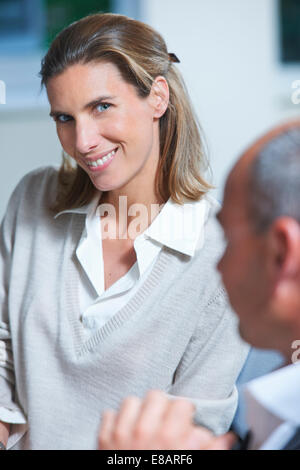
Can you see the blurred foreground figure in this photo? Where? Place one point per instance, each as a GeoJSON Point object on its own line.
{"type": "Point", "coordinates": [261, 272]}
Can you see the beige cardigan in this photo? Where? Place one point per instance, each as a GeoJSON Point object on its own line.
{"type": "Point", "coordinates": [176, 334]}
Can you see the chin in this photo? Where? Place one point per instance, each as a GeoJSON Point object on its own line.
{"type": "Point", "coordinates": [109, 180]}
{"type": "Point", "coordinates": [245, 334]}
{"type": "Point", "coordinates": [252, 336]}
{"type": "Point", "coordinates": [102, 185]}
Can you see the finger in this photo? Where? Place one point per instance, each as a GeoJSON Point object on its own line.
{"type": "Point", "coordinates": [106, 429]}
{"type": "Point", "coordinates": [150, 419]}
{"type": "Point", "coordinates": [177, 421]}
{"type": "Point", "coordinates": [197, 438]}
{"type": "Point", "coordinates": [224, 442]}
{"type": "Point", "coordinates": [125, 423]}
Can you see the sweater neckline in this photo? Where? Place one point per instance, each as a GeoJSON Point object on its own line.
{"type": "Point", "coordinates": [82, 344]}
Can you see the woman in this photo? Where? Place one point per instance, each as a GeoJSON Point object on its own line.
{"type": "Point", "coordinates": [118, 292]}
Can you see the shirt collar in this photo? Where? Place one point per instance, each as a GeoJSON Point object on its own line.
{"type": "Point", "coordinates": [278, 392]}
{"type": "Point", "coordinates": [88, 209]}
{"type": "Point", "coordinates": [180, 227]}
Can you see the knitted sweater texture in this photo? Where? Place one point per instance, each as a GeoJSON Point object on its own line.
{"type": "Point", "coordinates": [176, 334]}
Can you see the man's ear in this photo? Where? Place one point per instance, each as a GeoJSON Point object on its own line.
{"type": "Point", "coordinates": [160, 96]}
{"type": "Point", "coordinates": [283, 246]}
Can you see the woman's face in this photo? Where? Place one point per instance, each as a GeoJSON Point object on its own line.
{"type": "Point", "coordinates": [103, 124]}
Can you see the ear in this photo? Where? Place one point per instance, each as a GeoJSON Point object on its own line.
{"type": "Point", "coordinates": [283, 246]}
{"type": "Point", "coordinates": [160, 96]}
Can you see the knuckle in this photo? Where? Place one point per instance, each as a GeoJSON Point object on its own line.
{"type": "Point", "coordinates": [130, 401]}
{"type": "Point", "coordinates": [182, 405]}
{"type": "Point", "coordinates": [153, 394]}
{"type": "Point", "coordinates": [141, 432]}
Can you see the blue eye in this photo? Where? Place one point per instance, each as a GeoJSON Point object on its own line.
{"type": "Point", "coordinates": [102, 107]}
{"type": "Point", "coordinates": [63, 118]}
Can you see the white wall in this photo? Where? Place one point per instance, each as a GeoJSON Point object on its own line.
{"type": "Point", "coordinates": [27, 134]}
{"type": "Point", "coordinates": [27, 140]}
{"type": "Point", "coordinates": [228, 51]}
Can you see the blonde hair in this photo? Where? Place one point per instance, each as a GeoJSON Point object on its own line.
{"type": "Point", "coordinates": [141, 55]}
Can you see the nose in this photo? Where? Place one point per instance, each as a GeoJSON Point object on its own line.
{"type": "Point", "coordinates": [87, 136]}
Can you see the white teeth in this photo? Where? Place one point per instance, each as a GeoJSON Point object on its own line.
{"type": "Point", "coordinates": [102, 160]}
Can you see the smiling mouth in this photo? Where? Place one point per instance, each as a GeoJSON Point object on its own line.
{"type": "Point", "coordinates": [101, 161]}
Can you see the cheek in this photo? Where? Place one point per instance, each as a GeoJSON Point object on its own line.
{"type": "Point", "coordinates": [231, 267]}
{"type": "Point", "coordinates": [65, 139]}
{"type": "Point", "coordinates": [116, 130]}
{"type": "Point", "coordinates": [224, 264]}
{"type": "Point", "coordinates": [139, 123]}
{"type": "Point", "coordinates": [136, 132]}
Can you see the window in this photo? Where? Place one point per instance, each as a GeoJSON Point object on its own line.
{"type": "Point", "coordinates": [60, 13]}
{"type": "Point", "coordinates": [26, 29]}
{"type": "Point", "coordinates": [13, 17]}
{"type": "Point", "coordinates": [21, 25]}
{"type": "Point", "coordinates": [289, 17]}
{"type": "Point", "coordinates": [28, 25]}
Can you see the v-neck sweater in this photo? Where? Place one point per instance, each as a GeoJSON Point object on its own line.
{"type": "Point", "coordinates": [176, 334]}
{"type": "Point", "coordinates": [98, 304]}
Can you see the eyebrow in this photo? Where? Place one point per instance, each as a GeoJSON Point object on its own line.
{"type": "Point", "coordinates": [86, 106]}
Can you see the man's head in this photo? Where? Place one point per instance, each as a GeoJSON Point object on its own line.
{"type": "Point", "coordinates": [261, 221]}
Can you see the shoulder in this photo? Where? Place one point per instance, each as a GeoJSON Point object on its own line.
{"type": "Point", "coordinates": [209, 249]}
{"type": "Point", "coordinates": [211, 240]}
{"type": "Point", "coordinates": [35, 190]}
{"type": "Point", "coordinates": [38, 179]}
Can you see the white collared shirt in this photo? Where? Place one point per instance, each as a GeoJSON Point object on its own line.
{"type": "Point", "coordinates": [179, 227]}
{"type": "Point", "coordinates": [273, 408]}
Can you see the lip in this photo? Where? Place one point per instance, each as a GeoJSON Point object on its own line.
{"type": "Point", "coordinates": [101, 155]}
{"type": "Point", "coordinates": [102, 167]}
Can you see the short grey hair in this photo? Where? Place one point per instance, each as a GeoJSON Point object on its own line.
{"type": "Point", "coordinates": [274, 185]}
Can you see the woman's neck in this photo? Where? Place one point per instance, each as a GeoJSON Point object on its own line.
{"type": "Point", "coordinates": [137, 201]}
{"type": "Point", "coordinates": [134, 207]}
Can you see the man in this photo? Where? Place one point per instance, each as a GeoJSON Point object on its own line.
{"type": "Point", "coordinates": [260, 269]}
